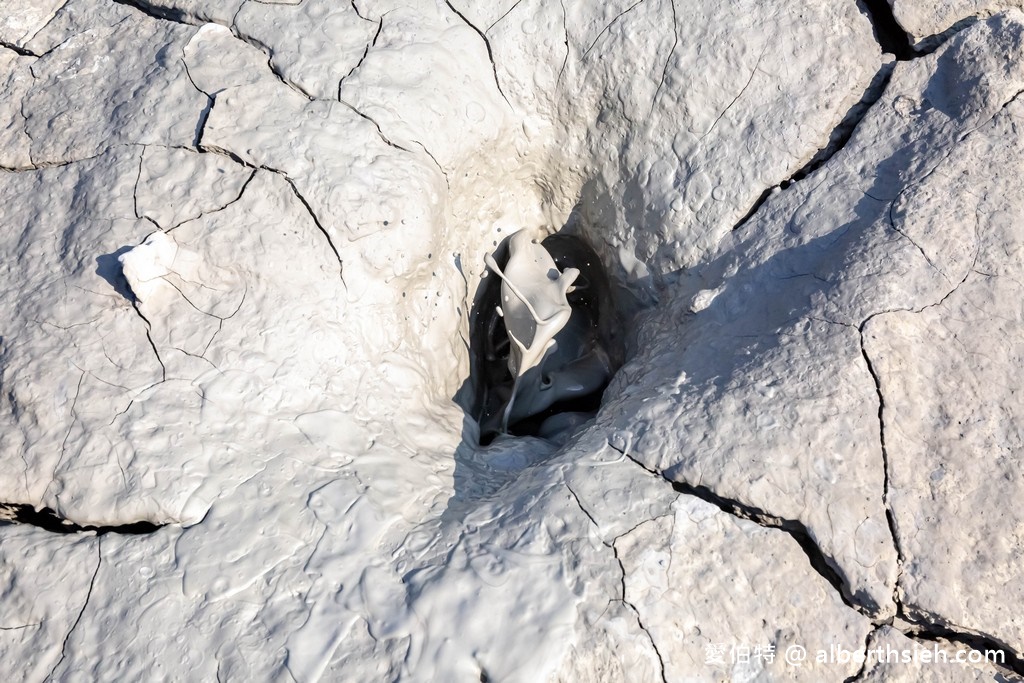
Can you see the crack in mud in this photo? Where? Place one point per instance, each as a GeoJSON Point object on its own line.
{"type": "Point", "coordinates": [487, 45]}
{"type": "Point", "coordinates": [21, 627]}
{"type": "Point", "coordinates": [164, 13]}
{"type": "Point", "coordinates": [930, 630]}
{"type": "Point", "coordinates": [844, 131]}
{"type": "Point", "coordinates": [149, 337]}
{"type": "Point", "coordinates": [924, 254]}
{"type": "Point", "coordinates": [847, 126]}
{"type": "Point", "coordinates": [668, 60]}
{"type": "Point", "coordinates": [889, 518]}
{"type": "Point", "coordinates": [43, 165]}
{"type": "Point", "coordinates": [499, 19]}
{"type": "Point", "coordinates": [241, 193]}
{"type": "Point", "coordinates": [269, 52]}
{"type": "Point", "coordinates": [639, 620]}
{"type": "Point", "coordinates": [565, 31]}
{"type": "Point", "coordinates": [436, 163]}
{"type": "Point", "coordinates": [609, 25]}
{"type": "Point", "coordinates": [838, 138]}
{"type": "Point", "coordinates": [868, 641]}
{"type": "Point", "coordinates": [355, 8]}
{"type": "Point", "coordinates": [840, 135]}
{"type": "Point", "coordinates": [622, 569]}
{"type": "Point", "coordinates": [319, 225]}
{"type": "Point", "coordinates": [135, 186]}
{"type": "Point", "coordinates": [67, 435]}
{"type": "Point", "coordinates": [376, 125]}
{"type": "Point", "coordinates": [88, 596]}
{"type": "Point", "coordinates": [921, 625]}
{"type": "Point", "coordinates": [824, 565]}
{"type": "Point", "coordinates": [295, 190]}
{"type": "Point", "coordinates": [753, 72]}
{"type": "Point", "coordinates": [582, 508]}
{"type": "Point", "coordinates": [180, 17]}
{"type": "Point", "coordinates": [380, 27]}
{"type": "Point", "coordinates": [204, 115]}
{"type": "Point", "coordinates": [24, 52]}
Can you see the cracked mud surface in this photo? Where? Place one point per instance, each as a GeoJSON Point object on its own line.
{"type": "Point", "coordinates": [243, 241]}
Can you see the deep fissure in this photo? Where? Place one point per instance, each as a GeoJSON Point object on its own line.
{"type": "Point", "coordinates": [373, 42]}
{"type": "Point", "coordinates": [157, 12]}
{"type": "Point", "coordinates": [890, 520]}
{"type": "Point", "coordinates": [47, 519]}
{"type": "Point", "coordinates": [888, 32]}
{"type": "Point", "coordinates": [819, 561]}
{"type": "Point", "coordinates": [932, 632]}
{"type": "Point", "coordinates": [24, 52]}
{"type": "Point", "coordinates": [880, 14]}
{"type": "Point", "coordinates": [837, 140]}
{"type": "Point", "coordinates": [920, 627]}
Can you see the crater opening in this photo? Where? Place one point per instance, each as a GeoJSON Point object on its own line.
{"type": "Point", "coordinates": [546, 337]}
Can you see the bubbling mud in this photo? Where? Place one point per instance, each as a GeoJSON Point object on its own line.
{"type": "Point", "coordinates": [545, 338]}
